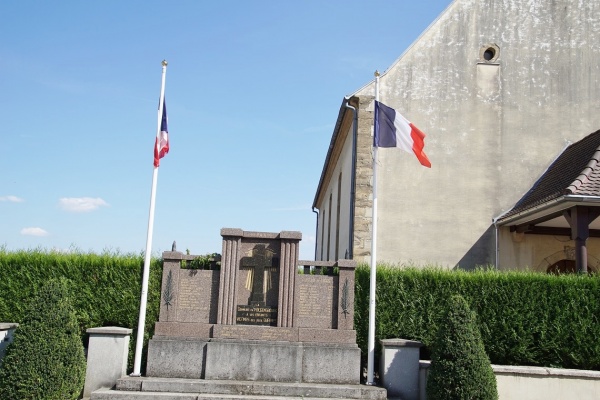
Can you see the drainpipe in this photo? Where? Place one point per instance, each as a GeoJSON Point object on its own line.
{"type": "Point", "coordinates": [316, 231]}
{"type": "Point", "coordinates": [495, 222]}
{"type": "Point", "coordinates": [353, 178]}
{"type": "Point", "coordinates": [497, 239]}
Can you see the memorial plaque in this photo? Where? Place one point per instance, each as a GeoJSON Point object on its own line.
{"type": "Point", "coordinates": [198, 296]}
{"type": "Point", "coordinates": [316, 301]}
{"type": "Point", "coordinates": [256, 315]}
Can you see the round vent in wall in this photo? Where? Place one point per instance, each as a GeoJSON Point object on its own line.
{"type": "Point", "coordinates": [489, 53]}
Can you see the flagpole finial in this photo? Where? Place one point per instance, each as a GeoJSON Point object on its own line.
{"type": "Point", "coordinates": [376, 73]}
{"type": "Point", "coordinates": [164, 63]}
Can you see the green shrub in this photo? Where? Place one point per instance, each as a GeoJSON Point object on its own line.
{"type": "Point", "coordinates": [460, 369]}
{"type": "Point", "coordinates": [108, 287]}
{"type": "Point", "coordinates": [206, 261]}
{"type": "Point", "coordinates": [46, 359]}
{"type": "Point", "coordinates": [525, 318]}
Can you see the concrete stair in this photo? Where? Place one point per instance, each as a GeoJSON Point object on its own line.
{"type": "Point", "coordinates": [141, 388]}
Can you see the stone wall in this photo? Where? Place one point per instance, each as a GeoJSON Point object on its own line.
{"type": "Point", "coordinates": [405, 376]}
{"type": "Point", "coordinates": [363, 218]}
{"type": "Point", "coordinates": [534, 383]}
{"type": "Point", "coordinates": [7, 330]}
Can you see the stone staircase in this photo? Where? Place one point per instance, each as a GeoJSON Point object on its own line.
{"type": "Point", "coordinates": [141, 388]}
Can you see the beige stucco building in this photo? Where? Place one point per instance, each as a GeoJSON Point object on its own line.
{"type": "Point", "coordinates": [501, 88]}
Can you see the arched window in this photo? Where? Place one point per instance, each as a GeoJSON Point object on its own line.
{"type": "Point", "coordinates": [323, 234]}
{"type": "Point", "coordinates": [562, 267]}
{"type": "Point", "coordinates": [329, 226]}
{"type": "Point", "coordinates": [337, 221]}
{"type": "Point", "coordinates": [563, 262]}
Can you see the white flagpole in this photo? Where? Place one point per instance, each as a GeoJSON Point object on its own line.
{"type": "Point", "coordinates": [148, 256]}
{"type": "Point", "coordinates": [373, 276]}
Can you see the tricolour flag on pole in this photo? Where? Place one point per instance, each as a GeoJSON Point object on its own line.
{"type": "Point", "coordinates": [161, 145]}
{"type": "Point", "coordinates": [393, 130]}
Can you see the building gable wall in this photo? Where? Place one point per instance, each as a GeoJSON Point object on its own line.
{"type": "Point", "coordinates": [490, 125]}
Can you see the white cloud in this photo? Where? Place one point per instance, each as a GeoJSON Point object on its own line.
{"type": "Point", "coordinates": [81, 204]}
{"type": "Point", "coordinates": [33, 232]}
{"type": "Point", "coordinates": [12, 199]}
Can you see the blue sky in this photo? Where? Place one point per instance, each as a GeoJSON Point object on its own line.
{"type": "Point", "coordinates": [253, 89]}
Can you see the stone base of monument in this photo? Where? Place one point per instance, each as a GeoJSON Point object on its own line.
{"type": "Point", "coordinates": [195, 389]}
{"type": "Point", "coordinates": [254, 360]}
{"type": "Point", "coordinates": [264, 325]}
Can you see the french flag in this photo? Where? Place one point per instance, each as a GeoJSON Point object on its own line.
{"type": "Point", "coordinates": [393, 130]}
{"type": "Point", "coordinates": [161, 145]}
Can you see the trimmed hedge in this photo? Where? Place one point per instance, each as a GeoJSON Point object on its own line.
{"type": "Point", "coordinates": [45, 360]}
{"type": "Point", "coordinates": [525, 318]}
{"type": "Point", "coordinates": [106, 287]}
{"type": "Point", "coordinates": [460, 369]}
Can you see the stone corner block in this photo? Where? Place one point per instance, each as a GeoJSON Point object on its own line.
{"type": "Point", "coordinates": [232, 232]}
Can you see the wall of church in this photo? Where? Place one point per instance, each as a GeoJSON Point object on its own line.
{"type": "Point", "coordinates": [333, 235]}
{"type": "Point", "coordinates": [538, 252]}
{"type": "Point", "coordinates": [493, 125]}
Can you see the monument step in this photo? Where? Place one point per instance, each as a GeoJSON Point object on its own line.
{"type": "Point", "coordinates": [225, 389]}
{"type": "Point", "coordinates": [107, 394]}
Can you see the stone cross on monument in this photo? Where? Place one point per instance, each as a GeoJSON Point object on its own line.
{"type": "Point", "coordinates": [261, 260]}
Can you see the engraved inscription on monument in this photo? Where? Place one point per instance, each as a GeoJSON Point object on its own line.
{"type": "Point", "coordinates": [261, 264]}
{"type": "Point", "coordinates": [316, 300]}
{"type": "Point", "coordinates": [256, 315]}
{"type": "Point", "coordinates": [196, 296]}
{"type": "Point", "coordinates": [189, 295]}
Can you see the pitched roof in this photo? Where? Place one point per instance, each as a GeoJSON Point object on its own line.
{"type": "Point", "coordinates": [575, 172]}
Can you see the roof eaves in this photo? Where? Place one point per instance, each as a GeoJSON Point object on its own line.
{"type": "Point", "coordinates": [557, 203]}
{"type": "Point", "coordinates": [505, 219]}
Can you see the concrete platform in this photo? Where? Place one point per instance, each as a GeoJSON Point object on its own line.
{"type": "Point", "coordinates": [253, 360]}
{"type": "Point", "coordinates": [142, 388]}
